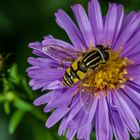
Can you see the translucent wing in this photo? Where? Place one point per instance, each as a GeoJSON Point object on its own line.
{"type": "Point", "coordinates": [62, 54]}
{"type": "Point", "coordinates": [86, 100]}
{"type": "Point", "coordinates": [86, 94]}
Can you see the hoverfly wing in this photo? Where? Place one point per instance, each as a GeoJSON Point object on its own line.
{"type": "Point", "coordinates": [86, 99]}
{"type": "Point", "coordinates": [62, 54]}
{"type": "Point", "coordinates": [86, 93]}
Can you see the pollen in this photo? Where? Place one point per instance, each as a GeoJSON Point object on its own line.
{"type": "Point", "coordinates": [110, 75]}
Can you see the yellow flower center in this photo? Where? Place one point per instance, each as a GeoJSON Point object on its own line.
{"type": "Point", "coordinates": [108, 76]}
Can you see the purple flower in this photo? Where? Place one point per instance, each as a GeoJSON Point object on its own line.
{"type": "Point", "coordinates": [108, 99]}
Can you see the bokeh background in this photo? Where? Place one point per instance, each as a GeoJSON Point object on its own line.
{"type": "Point", "coordinates": [21, 22]}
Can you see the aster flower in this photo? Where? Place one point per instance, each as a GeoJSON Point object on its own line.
{"type": "Point", "coordinates": [108, 101]}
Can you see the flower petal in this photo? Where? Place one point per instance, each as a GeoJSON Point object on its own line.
{"type": "Point", "coordinates": [61, 99]}
{"type": "Point", "coordinates": [102, 120]}
{"type": "Point", "coordinates": [119, 22]}
{"type": "Point", "coordinates": [65, 22]}
{"type": "Point", "coordinates": [84, 24]}
{"type": "Point", "coordinates": [43, 99]}
{"type": "Point", "coordinates": [42, 62]}
{"type": "Point", "coordinates": [57, 42]}
{"type": "Point", "coordinates": [134, 70]}
{"type": "Point", "coordinates": [118, 126]}
{"type": "Point", "coordinates": [133, 107]}
{"type": "Point", "coordinates": [57, 84]}
{"type": "Point", "coordinates": [128, 19]}
{"type": "Point", "coordinates": [91, 115]}
{"type": "Point", "coordinates": [70, 134]}
{"type": "Point", "coordinates": [57, 115]}
{"type": "Point", "coordinates": [74, 111]}
{"type": "Point", "coordinates": [43, 73]}
{"type": "Point", "coordinates": [83, 119]}
{"type": "Point", "coordinates": [133, 93]}
{"type": "Point", "coordinates": [110, 22]}
{"type": "Point", "coordinates": [61, 130]}
{"type": "Point", "coordinates": [95, 18]}
{"type": "Point", "coordinates": [127, 115]}
{"type": "Point", "coordinates": [132, 45]}
{"type": "Point", "coordinates": [127, 33]}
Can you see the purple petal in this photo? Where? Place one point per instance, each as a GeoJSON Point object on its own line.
{"type": "Point", "coordinates": [129, 19]}
{"type": "Point", "coordinates": [131, 104]}
{"type": "Point", "coordinates": [78, 121]}
{"type": "Point", "coordinates": [91, 115]}
{"type": "Point", "coordinates": [135, 59]}
{"type": "Point", "coordinates": [57, 115]}
{"type": "Point", "coordinates": [135, 77]}
{"type": "Point", "coordinates": [70, 134]}
{"type": "Point", "coordinates": [134, 70]}
{"type": "Point", "coordinates": [63, 97]}
{"type": "Point", "coordinates": [62, 129]}
{"type": "Point", "coordinates": [38, 83]}
{"type": "Point", "coordinates": [48, 37]}
{"type": "Point", "coordinates": [95, 18]}
{"type": "Point", "coordinates": [57, 42]}
{"type": "Point", "coordinates": [87, 100]}
{"type": "Point", "coordinates": [87, 136]}
{"type": "Point", "coordinates": [39, 53]}
{"type": "Point", "coordinates": [119, 22]}
{"type": "Point", "coordinates": [42, 62]}
{"type": "Point", "coordinates": [118, 126]}
{"type": "Point", "coordinates": [54, 85]}
{"type": "Point", "coordinates": [74, 111]}
{"type": "Point", "coordinates": [127, 115]}
{"type": "Point", "coordinates": [43, 73]}
{"type": "Point", "coordinates": [83, 119]}
{"type": "Point", "coordinates": [133, 93]}
{"type": "Point", "coordinates": [37, 49]}
{"type": "Point", "coordinates": [102, 120]}
{"type": "Point", "coordinates": [110, 22]}
{"type": "Point", "coordinates": [84, 24]}
{"type": "Point", "coordinates": [127, 33]}
{"type": "Point", "coordinates": [44, 99]}
{"type": "Point", "coordinates": [65, 22]}
{"type": "Point", "coordinates": [132, 46]}
{"type": "Point", "coordinates": [35, 45]}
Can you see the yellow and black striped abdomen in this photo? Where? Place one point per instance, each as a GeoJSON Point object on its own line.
{"type": "Point", "coordinates": [75, 73]}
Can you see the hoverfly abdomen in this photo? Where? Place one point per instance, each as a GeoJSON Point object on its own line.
{"type": "Point", "coordinates": [68, 79]}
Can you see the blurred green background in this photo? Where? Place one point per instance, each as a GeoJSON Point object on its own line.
{"type": "Point", "coordinates": [21, 22]}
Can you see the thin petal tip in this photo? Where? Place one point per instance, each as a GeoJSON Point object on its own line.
{"type": "Point", "coordinates": [48, 124]}
{"type": "Point", "coordinates": [36, 102]}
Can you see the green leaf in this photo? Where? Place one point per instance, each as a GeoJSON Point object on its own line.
{"type": "Point", "coordinates": [15, 120]}
{"type": "Point", "coordinates": [2, 98]}
{"type": "Point", "coordinates": [14, 77]}
{"type": "Point", "coordinates": [27, 88]}
{"type": "Point", "coordinates": [39, 114]}
{"type": "Point", "coordinates": [7, 107]}
{"type": "Point", "coordinates": [93, 136]}
{"type": "Point", "coordinates": [22, 105]}
{"type": "Point", "coordinates": [9, 96]}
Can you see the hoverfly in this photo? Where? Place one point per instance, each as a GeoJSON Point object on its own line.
{"type": "Point", "coordinates": [89, 60]}
{"type": "Point", "coordinates": [77, 63]}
